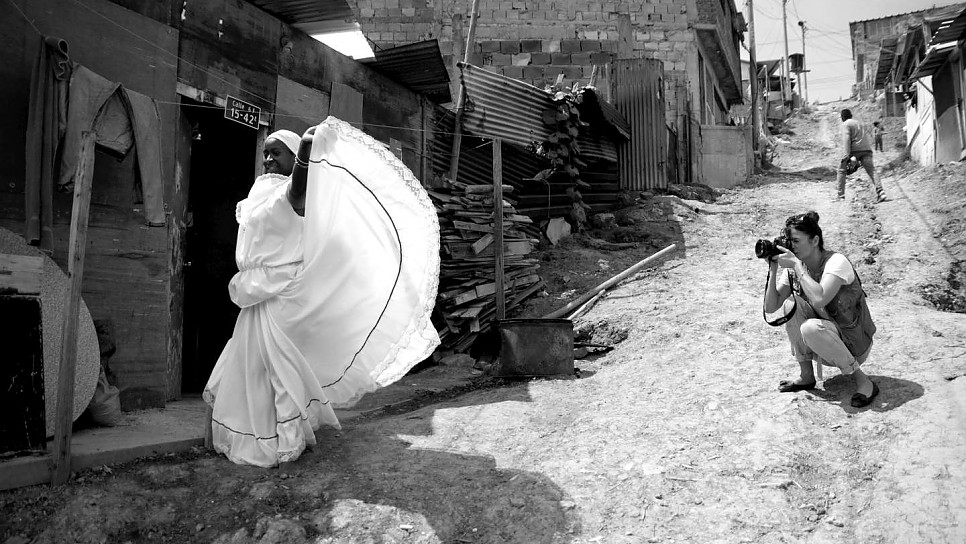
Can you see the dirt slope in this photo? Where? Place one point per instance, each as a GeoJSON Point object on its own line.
{"type": "Point", "coordinates": [678, 435]}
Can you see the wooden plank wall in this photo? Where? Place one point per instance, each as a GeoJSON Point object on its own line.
{"type": "Point", "coordinates": [298, 107]}
{"type": "Point", "coordinates": [389, 110]}
{"type": "Point", "coordinates": [134, 273]}
{"type": "Point", "coordinates": [126, 277]}
{"type": "Point", "coordinates": [230, 47]}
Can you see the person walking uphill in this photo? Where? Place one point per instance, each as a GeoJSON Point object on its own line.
{"type": "Point", "coordinates": [338, 258]}
{"type": "Point", "coordinates": [857, 142]}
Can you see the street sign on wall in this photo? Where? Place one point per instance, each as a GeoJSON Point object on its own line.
{"type": "Point", "coordinates": [242, 112]}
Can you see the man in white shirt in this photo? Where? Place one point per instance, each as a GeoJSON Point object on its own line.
{"type": "Point", "coordinates": [857, 142]}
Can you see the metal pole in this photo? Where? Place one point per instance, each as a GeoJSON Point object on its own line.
{"type": "Point", "coordinates": [804, 63]}
{"type": "Point", "coordinates": [785, 66]}
{"type": "Point", "coordinates": [454, 164]}
{"type": "Point", "coordinates": [753, 76]}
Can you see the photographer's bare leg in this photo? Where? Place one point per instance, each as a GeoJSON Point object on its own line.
{"type": "Point", "coordinates": [822, 337]}
{"type": "Point", "coordinates": [807, 373]}
{"type": "Point", "coordinates": [800, 350]}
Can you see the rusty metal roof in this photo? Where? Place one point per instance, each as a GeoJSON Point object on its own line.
{"type": "Point", "coordinates": [502, 107]}
{"type": "Point", "coordinates": [906, 57]}
{"type": "Point", "coordinates": [536, 199]}
{"type": "Point", "coordinates": [887, 57]}
{"type": "Point", "coordinates": [950, 29]}
{"type": "Point", "coordinates": [594, 107]}
{"type": "Point", "coordinates": [324, 15]}
{"type": "Point", "coordinates": [936, 57]}
{"type": "Point", "coordinates": [418, 66]}
{"type": "Point", "coordinates": [929, 13]}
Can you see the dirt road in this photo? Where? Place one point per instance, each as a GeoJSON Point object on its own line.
{"type": "Point", "coordinates": [678, 435]}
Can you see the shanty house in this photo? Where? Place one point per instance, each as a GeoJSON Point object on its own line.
{"type": "Point", "coordinates": [696, 41]}
{"type": "Point", "coordinates": [871, 38]}
{"type": "Point", "coordinates": [922, 72]}
{"type": "Point", "coordinates": [200, 85]}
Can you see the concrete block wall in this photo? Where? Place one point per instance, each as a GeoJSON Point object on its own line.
{"type": "Point", "coordinates": [727, 160]}
{"type": "Point", "coordinates": [534, 42]}
{"type": "Point", "coordinates": [539, 62]}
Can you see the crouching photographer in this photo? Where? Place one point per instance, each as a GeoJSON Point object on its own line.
{"type": "Point", "coordinates": [825, 311]}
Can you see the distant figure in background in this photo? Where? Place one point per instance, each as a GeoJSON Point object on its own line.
{"type": "Point", "coordinates": [878, 132]}
{"type": "Point", "coordinates": [856, 142]}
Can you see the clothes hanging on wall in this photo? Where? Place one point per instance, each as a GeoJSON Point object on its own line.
{"type": "Point", "coordinates": [92, 107]}
{"type": "Point", "coordinates": [47, 111]}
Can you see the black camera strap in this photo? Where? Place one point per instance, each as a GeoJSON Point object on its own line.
{"type": "Point", "coordinates": [783, 319]}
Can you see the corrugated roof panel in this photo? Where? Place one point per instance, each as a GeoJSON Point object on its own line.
{"type": "Point", "coordinates": [418, 66]}
{"type": "Point", "coordinates": [951, 29]}
{"type": "Point", "coordinates": [935, 59]}
{"type": "Point", "coordinates": [929, 13]}
{"type": "Point", "coordinates": [308, 11]}
{"type": "Point", "coordinates": [501, 107]}
{"type": "Point", "coordinates": [913, 41]}
{"type": "Point", "coordinates": [593, 106]}
{"type": "Point", "coordinates": [887, 56]}
{"type": "Point", "coordinates": [536, 199]}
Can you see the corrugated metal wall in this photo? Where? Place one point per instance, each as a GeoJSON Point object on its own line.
{"type": "Point", "coordinates": [639, 96]}
{"type": "Point", "coordinates": [535, 199]}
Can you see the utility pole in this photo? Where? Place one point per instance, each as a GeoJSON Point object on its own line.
{"type": "Point", "coordinates": [753, 77]}
{"type": "Point", "coordinates": [454, 164]}
{"type": "Point", "coordinates": [785, 66]}
{"type": "Point", "coordinates": [804, 62]}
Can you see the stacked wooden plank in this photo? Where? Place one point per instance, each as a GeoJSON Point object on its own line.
{"type": "Point", "coordinates": [466, 303]}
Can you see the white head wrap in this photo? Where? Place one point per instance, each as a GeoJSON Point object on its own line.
{"type": "Point", "coordinates": [287, 137]}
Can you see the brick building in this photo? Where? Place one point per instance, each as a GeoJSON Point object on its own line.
{"type": "Point", "coordinates": [697, 40]}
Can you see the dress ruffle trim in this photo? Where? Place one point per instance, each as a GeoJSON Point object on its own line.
{"type": "Point", "coordinates": [422, 330]}
{"type": "Point", "coordinates": [291, 432]}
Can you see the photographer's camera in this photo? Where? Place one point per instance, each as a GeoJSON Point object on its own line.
{"type": "Point", "coordinates": [766, 249]}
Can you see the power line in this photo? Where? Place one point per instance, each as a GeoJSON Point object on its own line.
{"type": "Point", "coordinates": [165, 51]}
{"type": "Point", "coordinates": [25, 18]}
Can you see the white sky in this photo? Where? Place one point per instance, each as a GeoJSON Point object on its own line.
{"type": "Point", "coordinates": [828, 49]}
{"type": "Point", "coordinates": [350, 43]}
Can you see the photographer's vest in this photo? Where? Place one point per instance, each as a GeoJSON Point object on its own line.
{"type": "Point", "coordinates": [849, 311]}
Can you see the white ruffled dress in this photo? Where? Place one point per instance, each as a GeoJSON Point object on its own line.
{"type": "Point", "coordinates": [333, 305]}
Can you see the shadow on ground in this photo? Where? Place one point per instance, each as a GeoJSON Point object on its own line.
{"type": "Point", "coordinates": [893, 392]}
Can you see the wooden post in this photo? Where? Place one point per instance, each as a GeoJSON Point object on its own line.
{"type": "Point", "coordinates": [753, 81]}
{"type": "Point", "coordinates": [209, 438]}
{"type": "Point", "coordinates": [454, 160]}
{"type": "Point", "coordinates": [75, 274]}
{"type": "Point", "coordinates": [498, 227]}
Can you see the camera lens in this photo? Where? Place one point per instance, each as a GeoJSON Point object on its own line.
{"type": "Point", "coordinates": [764, 249]}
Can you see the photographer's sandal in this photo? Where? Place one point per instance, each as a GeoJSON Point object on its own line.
{"type": "Point", "coordinates": [786, 386]}
{"type": "Point", "coordinates": [860, 401]}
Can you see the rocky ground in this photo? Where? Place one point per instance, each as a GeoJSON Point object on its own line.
{"type": "Point", "coordinates": [677, 435]}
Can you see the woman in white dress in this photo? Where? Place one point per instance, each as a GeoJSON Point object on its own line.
{"type": "Point", "coordinates": [338, 271]}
